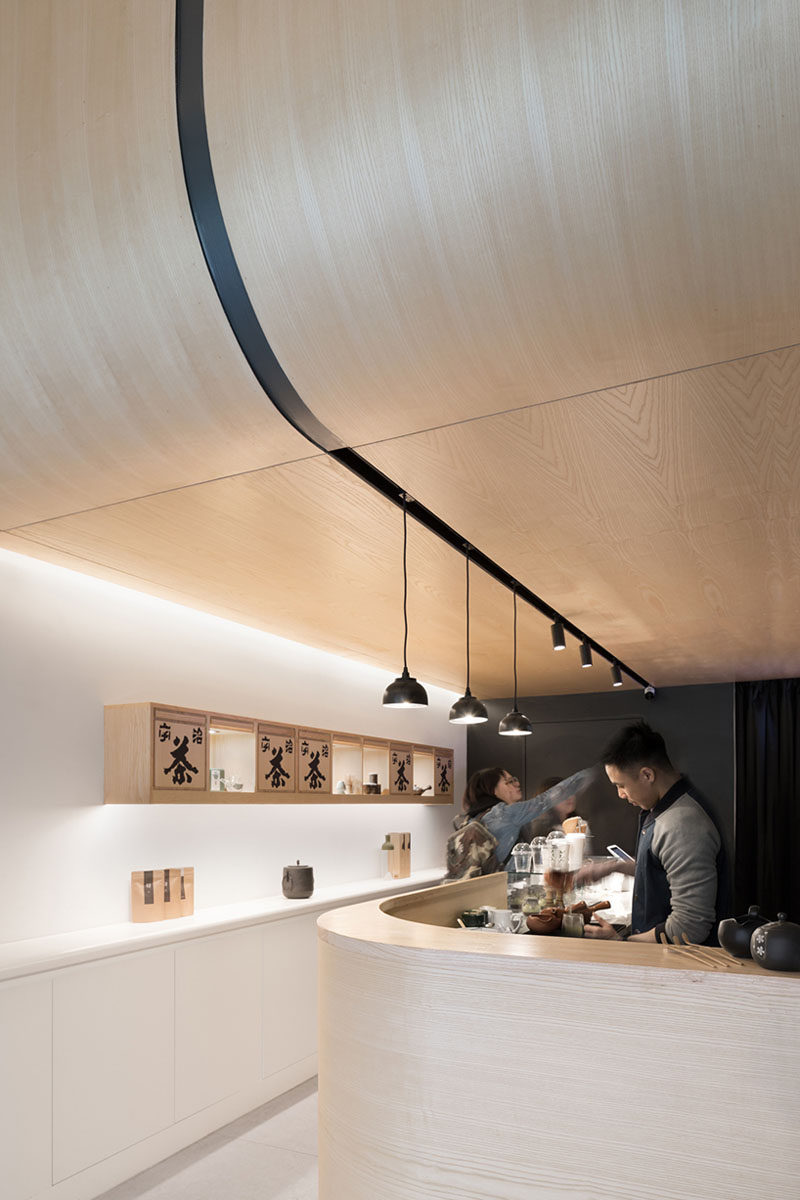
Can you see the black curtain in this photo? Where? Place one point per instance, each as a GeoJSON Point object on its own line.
{"type": "Point", "coordinates": [768, 796]}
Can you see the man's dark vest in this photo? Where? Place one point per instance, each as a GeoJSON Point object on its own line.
{"type": "Point", "coordinates": [652, 900]}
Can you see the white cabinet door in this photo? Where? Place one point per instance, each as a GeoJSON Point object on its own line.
{"type": "Point", "coordinates": [218, 1018]}
{"type": "Point", "coordinates": [25, 1088]}
{"type": "Point", "coordinates": [112, 1057]}
{"type": "Point", "coordinates": [290, 991]}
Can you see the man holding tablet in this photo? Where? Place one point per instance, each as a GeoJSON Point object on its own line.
{"type": "Point", "coordinates": [680, 872]}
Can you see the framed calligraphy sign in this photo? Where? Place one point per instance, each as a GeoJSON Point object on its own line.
{"type": "Point", "coordinates": [276, 758]}
{"type": "Point", "coordinates": [180, 750]}
{"type": "Point", "coordinates": [401, 769]}
{"type": "Point", "coordinates": [314, 762]}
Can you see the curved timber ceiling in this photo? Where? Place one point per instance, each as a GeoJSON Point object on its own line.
{"type": "Point", "coordinates": [538, 262]}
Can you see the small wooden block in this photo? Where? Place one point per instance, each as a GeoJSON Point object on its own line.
{"type": "Point", "coordinates": [400, 856]}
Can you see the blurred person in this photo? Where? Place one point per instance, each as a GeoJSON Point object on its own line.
{"type": "Point", "coordinates": [541, 826]}
{"type": "Point", "coordinates": [493, 814]}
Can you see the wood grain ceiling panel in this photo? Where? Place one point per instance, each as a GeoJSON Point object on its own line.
{"type": "Point", "coordinates": [120, 374]}
{"type": "Point", "coordinates": [309, 552]}
{"type": "Point", "coordinates": [442, 210]}
{"type": "Point", "coordinates": [447, 209]}
{"type": "Point", "coordinates": [662, 518]}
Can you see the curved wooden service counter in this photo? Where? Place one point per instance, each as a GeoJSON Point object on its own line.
{"type": "Point", "coordinates": [459, 1064]}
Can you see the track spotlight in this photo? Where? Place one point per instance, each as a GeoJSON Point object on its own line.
{"type": "Point", "coordinates": [586, 654]}
{"type": "Point", "coordinates": [557, 634]}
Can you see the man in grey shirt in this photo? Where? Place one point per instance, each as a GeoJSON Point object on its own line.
{"type": "Point", "coordinates": [679, 851]}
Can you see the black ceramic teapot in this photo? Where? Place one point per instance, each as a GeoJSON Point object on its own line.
{"type": "Point", "coordinates": [777, 946]}
{"type": "Point", "coordinates": [298, 882]}
{"type": "Point", "coordinates": [735, 932]}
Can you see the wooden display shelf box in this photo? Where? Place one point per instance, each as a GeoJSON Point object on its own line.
{"type": "Point", "coordinates": [159, 754]}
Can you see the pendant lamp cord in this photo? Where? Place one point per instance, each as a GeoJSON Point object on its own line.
{"type": "Point", "coordinates": [515, 647]}
{"type": "Point", "coordinates": [466, 556]}
{"type": "Point", "coordinates": [405, 587]}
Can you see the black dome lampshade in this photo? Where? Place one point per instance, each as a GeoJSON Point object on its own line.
{"type": "Point", "coordinates": [405, 691]}
{"type": "Point", "coordinates": [515, 723]}
{"type": "Point", "coordinates": [468, 710]}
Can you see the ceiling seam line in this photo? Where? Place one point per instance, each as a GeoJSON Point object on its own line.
{"type": "Point", "coordinates": [180, 487]}
{"type": "Point", "coordinates": [612, 387]}
{"type": "Point", "coordinates": [245, 618]}
{"type": "Point", "coordinates": [226, 277]}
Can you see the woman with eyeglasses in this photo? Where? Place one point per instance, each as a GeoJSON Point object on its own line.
{"type": "Point", "coordinates": [493, 804]}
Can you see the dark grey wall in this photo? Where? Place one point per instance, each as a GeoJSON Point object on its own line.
{"type": "Point", "coordinates": [571, 731]}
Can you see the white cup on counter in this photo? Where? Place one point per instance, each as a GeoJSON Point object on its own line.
{"type": "Point", "coordinates": [506, 920]}
{"type": "Point", "coordinates": [577, 845]}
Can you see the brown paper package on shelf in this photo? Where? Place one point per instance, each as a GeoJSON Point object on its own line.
{"type": "Point", "coordinates": [162, 894]}
{"type": "Point", "coordinates": [172, 893]}
{"type": "Point", "coordinates": [187, 891]}
{"type": "Point", "coordinates": [147, 895]}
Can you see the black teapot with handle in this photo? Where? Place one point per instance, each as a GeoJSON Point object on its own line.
{"type": "Point", "coordinates": [735, 932]}
{"type": "Point", "coordinates": [776, 946]}
{"type": "Point", "coordinates": [298, 882]}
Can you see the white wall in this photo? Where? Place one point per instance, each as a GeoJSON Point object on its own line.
{"type": "Point", "coordinates": [70, 644]}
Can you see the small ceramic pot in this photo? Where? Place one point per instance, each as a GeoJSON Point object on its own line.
{"type": "Point", "coordinates": [777, 946]}
{"type": "Point", "coordinates": [735, 933]}
{"type": "Point", "coordinates": [298, 882]}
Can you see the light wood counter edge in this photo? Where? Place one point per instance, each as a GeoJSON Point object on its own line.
{"type": "Point", "coordinates": [422, 921]}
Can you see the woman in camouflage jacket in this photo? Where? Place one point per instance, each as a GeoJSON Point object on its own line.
{"type": "Point", "coordinates": [493, 815]}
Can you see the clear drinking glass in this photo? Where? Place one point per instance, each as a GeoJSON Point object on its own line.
{"type": "Point", "coordinates": [572, 924]}
{"type": "Point", "coordinates": [522, 856]}
{"type": "Point", "coordinates": [558, 876]}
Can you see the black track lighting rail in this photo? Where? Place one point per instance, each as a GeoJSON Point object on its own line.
{"type": "Point", "coordinates": [227, 279]}
{"type": "Point", "coordinates": [424, 516]}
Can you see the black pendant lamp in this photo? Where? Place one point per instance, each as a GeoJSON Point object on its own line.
{"type": "Point", "coordinates": [515, 723]}
{"type": "Point", "coordinates": [468, 710]}
{"type": "Point", "coordinates": [405, 691]}
{"type": "Point", "coordinates": [616, 675]}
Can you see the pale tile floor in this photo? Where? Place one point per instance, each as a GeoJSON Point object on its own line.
{"type": "Point", "coordinates": [268, 1154]}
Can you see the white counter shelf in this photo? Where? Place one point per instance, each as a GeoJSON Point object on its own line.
{"type": "Point", "coordinates": [122, 1044]}
{"type": "Point", "coordinates": [31, 957]}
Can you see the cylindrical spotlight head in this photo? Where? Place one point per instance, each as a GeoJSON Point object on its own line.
{"type": "Point", "coordinates": [557, 633]}
{"type": "Point", "coordinates": [468, 711]}
{"type": "Point", "coordinates": [515, 724]}
{"type": "Point", "coordinates": [586, 654]}
{"type": "Point", "coordinates": [616, 675]}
